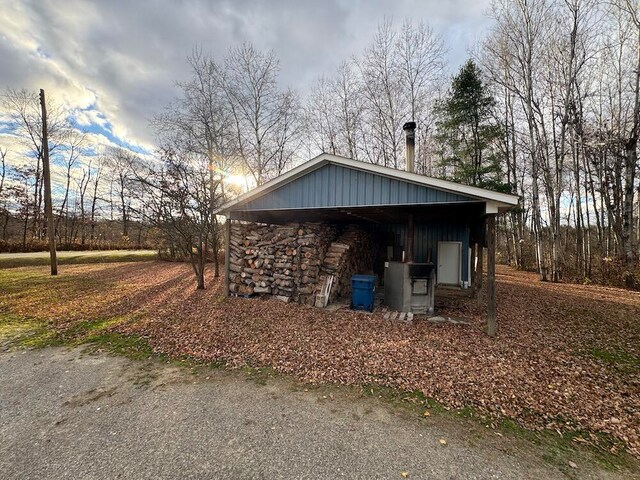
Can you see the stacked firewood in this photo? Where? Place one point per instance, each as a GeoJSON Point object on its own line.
{"type": "Point", "coordinates": [281, 260]}
{"type": "Point", "coordinates": [350, 254]}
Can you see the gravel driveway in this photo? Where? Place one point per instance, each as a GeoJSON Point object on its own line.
{"type": "Point", "coordinates": [70, 414]}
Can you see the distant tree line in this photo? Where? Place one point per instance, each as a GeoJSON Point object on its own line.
{"type": "Point", "coordinates": [547, 107]}
{"type": "Point", "coordinates": [92, 193]}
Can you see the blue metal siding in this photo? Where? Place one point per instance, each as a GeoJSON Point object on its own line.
{"type": "Point", "coordinates": [426, 237]}
{"type": "Point", "coordinates": [338, 186]}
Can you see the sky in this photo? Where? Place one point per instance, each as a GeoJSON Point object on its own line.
{"type": "Point", "coordinates": [115, 63]}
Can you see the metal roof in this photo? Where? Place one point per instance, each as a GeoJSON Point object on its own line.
{"type": "Point", "coordinates": [331, 181]}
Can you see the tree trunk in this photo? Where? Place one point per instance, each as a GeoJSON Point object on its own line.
{"type": "Point", "coordinates": [197, 262]}
{"type": "Point", "coordinates": [4, 227]}
{"type": "Point", "coordinates": [125, 214]}
{"type": "Point", "coordinates": [631, 160]}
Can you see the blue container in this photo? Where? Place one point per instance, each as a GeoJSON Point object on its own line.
{"type": "Point", "coordinates": [362, 292]}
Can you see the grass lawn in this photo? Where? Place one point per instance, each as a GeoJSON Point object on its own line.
{"type": "Point", "coordinates": [566, 359]}
{"type": "Point", "coordinates": [13, 260]}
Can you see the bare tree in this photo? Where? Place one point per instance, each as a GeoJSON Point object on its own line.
{"type": "Point", "coordinates": [631, 126]}
{"type": "Point", "coordinates": [71, 153]}
{"type": "Point", "coordinates": [97, 175]}
{"type": "Point", "coordinates": [200, 123]}
{"type": "Point", "coordinates": [517, 43]}
{"type": "Point", "coordinates": [258, 107]}
{"type": "Point", "coordinates": [3, 164]}
{"type": "Point", "coordinates": [360, 110]}
{"type": "Point", "coordinates": [421, 64]}
{"type": "Point", "coordinates": [3, 193]}
{"type": "Point", "coordinates": [176, 190]}
{"type": "Point", "coordinates": [24, 112]}
{"type": "Point", "coordinates": [322, 117]}
{"type": "Point", "coordinates": [568, 72]}
{"type": "Point", "coordinates": [347, 88]}
{"type": "Point", "coordinates": [119, 161]}
{"type": "Point", "coordinates": [82, 184]}
{"type": "Point", "coordinates": [383, 90]}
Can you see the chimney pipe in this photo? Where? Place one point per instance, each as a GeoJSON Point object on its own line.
{"type": "Point", "coordinates": [410, 133]}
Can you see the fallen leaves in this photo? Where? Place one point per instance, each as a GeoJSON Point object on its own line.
{"type": "Point", "coordinates": [564, 359]}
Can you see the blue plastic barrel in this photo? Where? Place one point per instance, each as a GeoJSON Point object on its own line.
{"type": "Point", "coordinates": [362, 292]}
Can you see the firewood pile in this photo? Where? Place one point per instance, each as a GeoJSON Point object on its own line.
{"type": "Point", "coordinates": [350, 254]}
{"type": "Point", "coordinates": [279, 260]}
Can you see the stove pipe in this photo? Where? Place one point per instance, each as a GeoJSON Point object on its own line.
{"type": "Point", "coordinates": [410, 134]}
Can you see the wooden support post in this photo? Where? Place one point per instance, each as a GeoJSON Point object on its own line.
{"type": "Point", "coordinates": [481, 238]}
{"type": "Point", "coordinates": [491, 275]}
{"type": "Point", "coordinates": [410, 229]}
{"type": "Point", "coordinates": [46, 171]}
{"type": "Point", "coordinates": [227, 251]}
{"type": "Point", "coordinates": [472, 270]}
{"type": "Point", "coordinates": [479, 273]}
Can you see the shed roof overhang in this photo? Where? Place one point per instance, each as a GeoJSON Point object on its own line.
{"type": "Point", "coordinates": [347, 190]}
{"type": "Point", "coordinates": [375, 214]}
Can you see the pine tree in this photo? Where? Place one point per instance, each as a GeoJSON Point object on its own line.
{"type": "Point", "coordinates": [466, 132]}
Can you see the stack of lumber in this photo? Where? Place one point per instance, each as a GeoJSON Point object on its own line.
{"type": "Point", "coordinates": [350, 254]}
{"type": "Point", "coordinates": [280, 260]}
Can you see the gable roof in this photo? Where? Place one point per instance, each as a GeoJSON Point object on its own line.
{"type": "Point", "coordinates": [501, 200]}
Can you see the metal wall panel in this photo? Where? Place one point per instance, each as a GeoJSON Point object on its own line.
{"type": "Point", "coordinates": [338, 186]}
{"type": "Point", "coordinates": [427, 236]}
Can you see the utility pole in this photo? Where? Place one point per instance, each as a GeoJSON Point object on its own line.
{"type": "Point", "coordinates": [48, 208]}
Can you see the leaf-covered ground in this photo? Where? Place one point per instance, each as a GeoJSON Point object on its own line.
{"type": "Point", "coordinates": [566, 357]}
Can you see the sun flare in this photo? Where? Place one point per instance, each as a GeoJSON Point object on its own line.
{"type": "Point", "coordinates": [245, 182]}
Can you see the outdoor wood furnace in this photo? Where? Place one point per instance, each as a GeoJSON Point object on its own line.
{"type": "Point", "coordinates": [409, 287]}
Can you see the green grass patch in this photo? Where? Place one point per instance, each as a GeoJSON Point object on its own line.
{"type": "Point", "coordinates": [17, 284]}
{"type": "Point", "coordinates": [622, 360]}
{"type": "Point", "coordinates": [26, 290]}
{"type": "Point", "coordinates": [26, 332]}
{"type": "Point", "coordinates": [81, 331]}
{"type": "Point", "coordinates": [614, 356]}
{"type": "Point", "coordinates": [71, 258]}
{"type": "Point", "coordinates": [21, 332]}
{"type": "Point", "coordinates": [18, 281]}
{"type": "Point", "coordinates": [130, 346]}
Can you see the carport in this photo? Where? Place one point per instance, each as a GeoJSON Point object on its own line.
{"type": "Point", "coordinates": [415, 219]}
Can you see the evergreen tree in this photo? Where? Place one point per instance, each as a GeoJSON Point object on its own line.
{"type": "Point", "coordinates": [467, 135]}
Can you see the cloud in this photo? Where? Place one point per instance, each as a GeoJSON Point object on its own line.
{"type": "Point", "coordinates": [115, 63]}
{"type": "Point", "coordinates": [88, 117]}
{"type": "Point", "coordinates": [17, 151]}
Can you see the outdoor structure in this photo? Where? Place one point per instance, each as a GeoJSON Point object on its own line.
{"type": "Point", "coordinates": [407, 218]}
